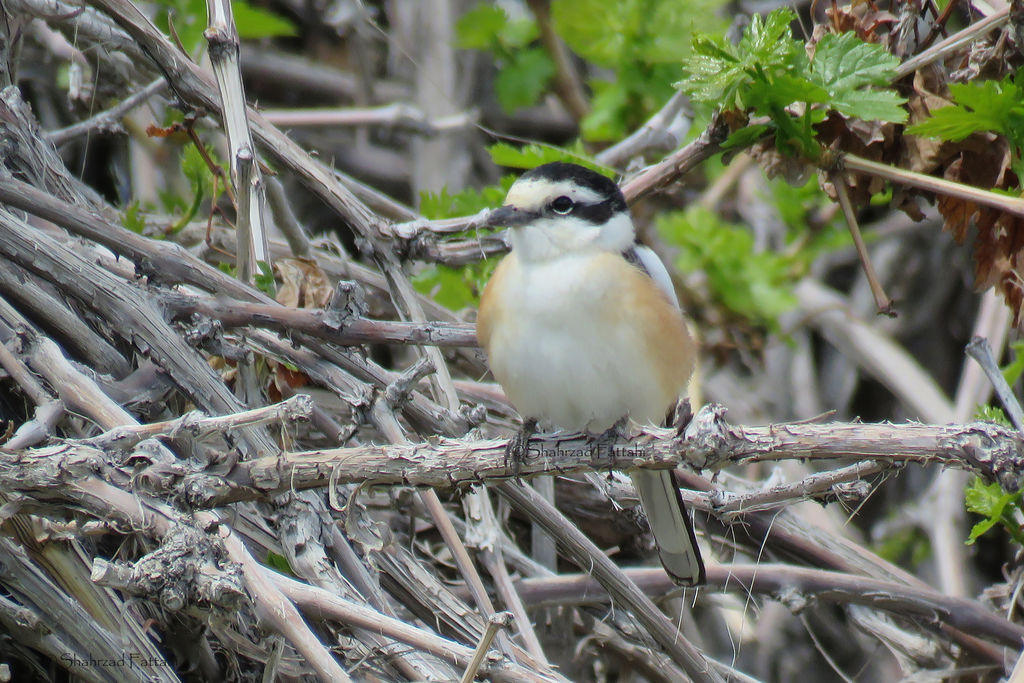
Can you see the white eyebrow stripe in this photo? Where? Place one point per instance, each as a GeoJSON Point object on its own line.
{"type": "Point", "coordinates": [534, 193]}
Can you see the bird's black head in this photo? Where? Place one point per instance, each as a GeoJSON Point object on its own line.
{"type": "Point", "coordinates": [558, 190]}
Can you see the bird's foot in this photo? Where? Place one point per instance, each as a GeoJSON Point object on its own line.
{"type": "Point", "coordinates": [682, 417]}
{"type": "Point", "coordinates": [604, 443]}
{"type": "Point", "coordinates": [519, 445]}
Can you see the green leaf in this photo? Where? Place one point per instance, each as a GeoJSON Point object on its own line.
{"type": "Point", "coordinates": [466, 202]}
{"type": "Point", "coordinates": [1013, 371]}
{"type": "Point", "coordinates": [753, 284]}
{"type": "Point", "coordinates": [987, 413]}
{"type": "Point", "coordinates": [991, 502]}
{"type": "Point", "coordinates": [264, 279]}
{"type": "Point", "coordinates": [132, 218]}
{"type": "Point", "coordinates": [844, 66]}
{"type": "Point", "coordinates": [454, 288]}
{"type": "Point", "coordinates": [746, 136]}
{"type": "Point", "coordinates": [995, 106]}
{"type": "Point", "coordinates": [254, 23]}
{"type": "Point", "coordinates": [718, 70]}
{"type": "Point", "coordinates": [524, 79]}
{"type": "Point", "coordinates": [189, 18]}
{"type": "Point", "coordinates": [610, 34]}
{"type": "Point", "coordinates": [530, 156]}
{"type": "Point", "coordinates": [596, 30]}
{"type": "Point", "coordinates": [278, 563]}
{"type": "Point", "coordinates": [608, 111]}
{"type": "Point", "coordinates": [872, 105]}
{"type": "Point", "coordinates": [844, 62]}
{"type": "Point", "coordinates": [781, 91]}
{"type": "Point", "coordinates": [196, 170]}
{"type": "Point", "coordinates": [518, 33]}
{"type": "Point", "coordinates": [478, 28]}
{"type": "Point", "coordinates": [488, 27]}
{"type": "Point", "coordinates": [768, 41]}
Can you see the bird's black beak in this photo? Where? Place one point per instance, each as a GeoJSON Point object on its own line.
{"type": "Point", "coordinates": [508, 217]}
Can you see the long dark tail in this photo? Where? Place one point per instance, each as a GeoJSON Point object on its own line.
{"type": "Point", "coordinates": [671, 526]}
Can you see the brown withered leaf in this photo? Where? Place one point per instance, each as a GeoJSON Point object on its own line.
{"type": "Point", "coordinates": [791, 168]}
{"type": "Point", "coordinates": [864, 18]}
{"type": "Point", "coordinates": [866, 139]}
{"type": "Point", "coordinates": [303, 284]}
{"type": "Point", "coordinates": [957, 214]}
{"type": "Point", "coordinates": [1012, 288]}
{"type": "Point", "coordinates": [284, 381]}
{"type": "Point", "coordinates": [923, 154]}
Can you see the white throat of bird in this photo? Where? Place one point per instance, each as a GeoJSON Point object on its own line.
{"type": "Point", "coordinates": [549, 238]}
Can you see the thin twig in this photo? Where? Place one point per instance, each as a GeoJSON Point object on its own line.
{"type": "Point", "coordinates": [883, 303]}
{"type": "Point", "coordinates": [108, 117]}
{"type": "Point", "coordinates": [805, 583]}
{"type": "Point", "coordinates": [198, 426]}
{"type": "Point", "coordinates": [980, 351]}
{"type": "Point", "coordinates": [932, 184]}
{"type": "Point", "coordinates": [953, 43]}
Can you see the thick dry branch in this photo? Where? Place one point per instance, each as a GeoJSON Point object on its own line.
{"type": "Point", "coordinates": [992, 450]}
{"type": "Point", "coordinates": [197, 425]}
{"type": "Point", "coordinates": [989, 449]}
{"type": "Point", "coordinates": [332, 327]}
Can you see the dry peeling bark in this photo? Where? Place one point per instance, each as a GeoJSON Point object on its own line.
{"type": "Point", "coordinates": [148, 510]}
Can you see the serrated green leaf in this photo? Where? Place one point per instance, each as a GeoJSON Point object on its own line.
{"type": "Point", "coordinates": [871, 105]}
{"type": "Point", "coordinates": [522, 81]}
{"type": "Point", "coordinates": [768, 41]}
{"type": "Point", "coordinates": [844, 62]}
{"type": "Point", "coordinates": [466, 202]}
{"type": "Point", "coordinates": [718, 70]}
{"type": "Point", "coordinates": [985, 499]}
{"type": "Point", "coordinates": [995, 106]}
{"type": "Point", "coordinates": [948, 123]}
{"type": "Point", "coordinates": [991, 502]}
{"type": "Point", "coordinates": [987, 413]}
{"type": "Point", "coordinates": [845, 66]}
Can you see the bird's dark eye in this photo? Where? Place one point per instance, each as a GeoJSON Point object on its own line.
{"type": "Point", "coordinates": [562, 205]}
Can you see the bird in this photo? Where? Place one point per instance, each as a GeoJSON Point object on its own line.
{"type": "Point", "coordinates": [583, 330]}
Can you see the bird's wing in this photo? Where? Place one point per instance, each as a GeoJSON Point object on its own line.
{"type": "Point", "coordinates": [659, 497]}
{"type": "Point", "coordinates": [645, 258]}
